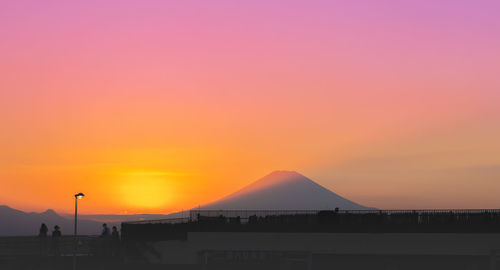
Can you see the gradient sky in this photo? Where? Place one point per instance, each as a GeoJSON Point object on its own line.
{"type": "Point", "coordinates": [158, 106]}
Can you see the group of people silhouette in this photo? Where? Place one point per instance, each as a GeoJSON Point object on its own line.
{"type": "Point", "coordinates": [110, 238]}
{"type": "Point", "coordinates": [57, 231]}
{"type": "Point", "coordinates": [44, 231]}
{"type": "Point", "coordinates": [114, 233]}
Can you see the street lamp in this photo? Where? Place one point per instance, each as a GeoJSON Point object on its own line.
{"type": "Point", "coordinates": [77, 197]}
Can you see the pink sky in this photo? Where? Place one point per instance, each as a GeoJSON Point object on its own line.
{"type": "Point", "coordinates": [393, 104]}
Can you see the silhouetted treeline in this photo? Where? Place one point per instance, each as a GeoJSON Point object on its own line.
{"type": "Point", "coordinates": [324, 221]}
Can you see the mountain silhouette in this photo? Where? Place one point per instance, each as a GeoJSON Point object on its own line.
{"type": "Point", "coordinates": [18, 223]}
{"type": "Point", "coordinates": [14, 222]}
{"type": "Point", "coordinates": [283, 190]}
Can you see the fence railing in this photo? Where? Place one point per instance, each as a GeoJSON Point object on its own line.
{"type": "Point", "coordinates": [244, 215]}
{"type": "Point", "coordinates": [161, 221]}
{"type": "Point", "coordinates": [49, 246]}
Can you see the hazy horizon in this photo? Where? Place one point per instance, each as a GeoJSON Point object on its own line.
{"type": "Point", "coordinates": [157, 107]}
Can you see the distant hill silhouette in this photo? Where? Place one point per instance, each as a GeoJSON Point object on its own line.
{"type": "Point", "coordinates": [283, 190]}
{"type": "Point", "coordinates": [18, 223]}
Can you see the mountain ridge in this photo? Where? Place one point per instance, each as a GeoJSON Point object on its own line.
{"type": "Point", "coordinates": [15, 222]}
{"type": "Point", "coordinates": [283, 190]}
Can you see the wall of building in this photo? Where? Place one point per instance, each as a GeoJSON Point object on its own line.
{"type": "Point", "coordinates": [384, 251]}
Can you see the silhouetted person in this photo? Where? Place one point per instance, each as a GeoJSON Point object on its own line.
{"type": "Point", "coordinates": [115, 234]}
{"type": "Point", "coordinates": [105, 249]}
{"type": "Point", "coordinates": [43, 239]}
{"type": "Point", "coordinates": [43, 230]}
{"type": "Point", "coordinates": [105, 230]}
{"type": "Point", "coordinates": [56, 234]}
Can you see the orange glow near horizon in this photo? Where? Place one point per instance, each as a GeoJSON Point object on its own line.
{"type": "Point", "coordinates": [160, 106]}
{"type": "Point", "coordinates": [148, 190]}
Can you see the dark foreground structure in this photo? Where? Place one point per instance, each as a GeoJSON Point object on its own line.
{"type": "Point", "coordinates": [417, 239]}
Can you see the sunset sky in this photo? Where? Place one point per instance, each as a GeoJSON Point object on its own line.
{"type": "Point", "coordinates": [158, 106]}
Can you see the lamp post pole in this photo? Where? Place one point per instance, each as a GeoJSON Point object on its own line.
{"type": "Point", "coordinates": [77, 197]}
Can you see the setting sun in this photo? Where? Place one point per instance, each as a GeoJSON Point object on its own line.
{"type": "Point", "coordinates": [142, 190]}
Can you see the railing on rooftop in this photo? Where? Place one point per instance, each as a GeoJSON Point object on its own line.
{"type": "Point", "coordinates": [161, 221]}
{"type": "Point", "coordinates": [244, 215]}
{"type": "Point", "coordinates": [48, 246]}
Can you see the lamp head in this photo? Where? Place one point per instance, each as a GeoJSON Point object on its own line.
{"type": "Point", "coordinates": [79, 195]}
